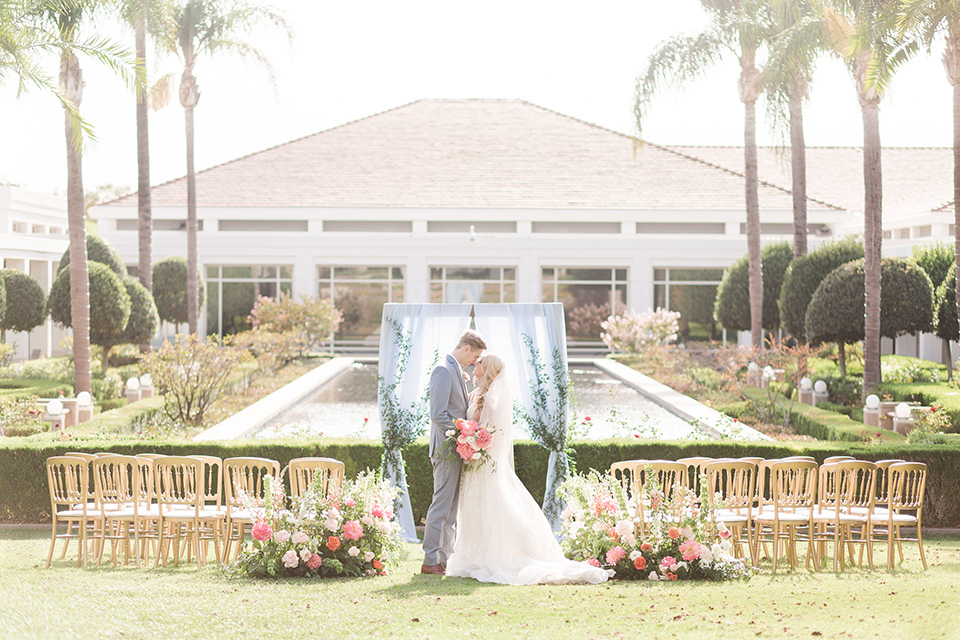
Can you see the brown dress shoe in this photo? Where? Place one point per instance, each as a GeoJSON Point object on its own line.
{"type": "Point", "coordinates": [443, 567]}
{"type": "Point", "coordinates": [434, 569]}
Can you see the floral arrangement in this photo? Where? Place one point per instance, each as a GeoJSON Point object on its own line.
{"type": "Point", "coordinates": [347, 532]}
{"type": "Point", "coordinates": [633, 332]}
{"type": "Point", "coordinates": [472, 442]}
{"type": "Point", "coordinates": [681, 540]}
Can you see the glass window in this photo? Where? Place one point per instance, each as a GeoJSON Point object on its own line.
{"type": "Point", "coordinates": [473, 284]}
{"type": "Point", "coordinates": [588, 295]}
{"type": "Point", "coordinates": [232, 291]}
{"type": "Point", "coordinates": [692, 292]}
{"type": "Point", "coordinates": [360, 293]}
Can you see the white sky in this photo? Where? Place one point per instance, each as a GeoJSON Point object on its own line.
{"type": "Point", "coordinates": [355, 58]}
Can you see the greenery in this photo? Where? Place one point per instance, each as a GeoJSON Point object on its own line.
{"type": "Point", "coordinates": [98, 250]}
{"type": "Point", "coordinates": [313, 320]}
{"type": "Point", "coordinates": [189, 603]}
{"type": "Point", "coordinates": [945, 302]}
{"type": "Point", "coordinates": [109, 305]}
{"type": "Point", "coordinates": [804, 275]}
{"type": "Point", "coordinates": [144, 320]}
{"type": "Point", "coordinates": [170, 289]}
{"type": "Point", "coordinates": [733, 296]}
{"type": "Point", "coordinates": [937, 260]}
{"type": "Point", "coordinates": [835, 313]}
{"type": "Point", "coordinates": [25, 301]}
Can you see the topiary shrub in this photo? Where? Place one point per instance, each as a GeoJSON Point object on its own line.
{"type": "Point", "coordinates": [26, 301]}
{"type": "Point", "coordinates": [170, 289]}
{"type": "Point", "coordinates": [3, 300]}
{"type": "Point", "coordinates": [937, 261]}
{"type": "Point", "coordinates": [733, 297]}
{"type": "Point", "coordinates": [109, 305]}
{"type": "Point", "coordinates": [98, 250]}
{"type": "Point", "coordinates": [835, 313]}
{"type": "Point", "coordinates": [946, 304]}
{"type": "Point", "coordinates": [144, 320]}
{"type": "Point", "coordinates": [804, 275]}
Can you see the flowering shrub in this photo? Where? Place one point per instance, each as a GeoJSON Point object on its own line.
{"type": "Point", "coordinates": [272, 350]}
{"type": "Point", "coordinates": [350, 532]}
{"type": "Point", "coordinates": [21, 417]}
{"type": "Point", "coordinates": [584, 321]}
{"type": "Point", "coordinates": [681, 540]}
{"type": "Point", "coordinates": [633, 332]}
{"type": "Point", "coordinates": [313, 319]}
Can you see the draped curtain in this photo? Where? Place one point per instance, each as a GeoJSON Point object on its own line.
{"type": "Point", "coordinates": [413, 339]}
{"type": "Point", "coordinates": [532, 340]}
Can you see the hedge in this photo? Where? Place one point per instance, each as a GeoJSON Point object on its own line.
{"type": "Point", "coordinates": [24, 495]}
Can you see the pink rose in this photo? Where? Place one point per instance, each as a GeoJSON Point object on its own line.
{"type": "Point", "coordinates": [468, 427]}
{"type": "Point", "coordinates": [314, 562]}
{"type": "Point", "coordinates": [667, 562]}
{"type": "Point", "coordinates": [300, 537]}
{"type": "Point", "coordinates": [262, 531]}
{"type": "Point", "coordinates": [646, 546]}
{"type": "Point", "coordinates": [388, 514]}
{"type": "Point", "coordinates": [690, 550]}
{"type": "Point", "coordinates": [673, 532]}
{"type": "Point", "coordinates": [723, 531]}
{"type": "Point", "coordinates": [593, 562]}
{"type": "Point", "coordinates": [282, 536]}
{"type": "Point", "coordinates": [640, 563]}
{"type": "Point", "coordinates": [376, 512]}
{"type": "Point", "coordinates": [350, 502]}
{"type": "Point", "coordinates": [333, 543]}
{"type": "Point", "coordinates": [465, 451]}
{"type": "Point", "coordinates": [352, 530]}
{"type": "Point", "coordinates": [290, 559]}
{"type": "Point", "coordinates": [484, 439]}
{"type": "Point", "coordinates": [615, 555]}
{"type": "Point", "coordinates": [687, 532]}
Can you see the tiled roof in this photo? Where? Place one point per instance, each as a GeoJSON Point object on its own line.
{"type": "Point", "coordinates": [915, 180]}
{"type": "Point", "coordinates": [501, 154]}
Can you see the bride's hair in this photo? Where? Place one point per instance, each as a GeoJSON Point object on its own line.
{"type": "Point", "coordinates": [492, 366]}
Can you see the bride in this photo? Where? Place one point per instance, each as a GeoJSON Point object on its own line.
{"type": "Point", "coordinates": [502, 535]}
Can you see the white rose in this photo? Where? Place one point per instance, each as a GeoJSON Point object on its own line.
{"type": "Point", "coordinates": [282, 536]}
{"type": "Point", "coordinates": [384, 527]}
{"type": "Point", "coordinates": [634, 555]}
{"type": "Point", "coordinates": [475, 456]}
{"type": "Point", "coordinates": [706, 555]}
{"type": "Point", "coordinates": [624, 527]}
{"type": "Point", "coordinates": [300, 537]}
{"type": "Point", "coordinates": [305, 554]}
{"type": "Point", "coordinates": [599, 526]}
{"type": "Point", "coordinates": [367, 520]}
{"type": "Point", "coordinates": [368, 556]}
{"type": "Point", "coordinates": [353, 551]}
{"type": "Point", "coordinates": [629, 539]}
{"type": "Point", "coordinates": [726, 545]}
{"type": "Point", "coordinates": [331, 524]}
{"type": "Point", "coordinates": [451, 433]}
{"type": "Point", "coordinates": [653, 576]}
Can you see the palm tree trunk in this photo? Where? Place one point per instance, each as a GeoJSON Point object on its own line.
{"type": "Point", "coordinates": [872, 244]}
{"type": "Point", "coordinates": [798, 151]}
{"type": "Point", "coordinates": [951, 62]}
{"type": "Point", "coordinates": [71, 83]}
{"type": "Point", "coordinates": [144, 210]}
{"type": "Point", "coordinates": [750, 87]}
{"type": "Point", "coordinates": [193, 291]}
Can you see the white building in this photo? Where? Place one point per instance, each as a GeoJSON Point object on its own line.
{"type": "Point", "coordinates": [487, 201]}
{"type": "Point", "coordinates": [33, 237]}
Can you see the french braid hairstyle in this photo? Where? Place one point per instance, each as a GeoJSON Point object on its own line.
{"type": "Point", "coordinates": [492, 366]}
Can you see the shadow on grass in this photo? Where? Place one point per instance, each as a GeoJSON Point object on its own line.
{"type": "Point", "coordinates": [426, 585]}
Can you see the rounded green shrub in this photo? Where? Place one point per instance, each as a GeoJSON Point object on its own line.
{"type": "Point", "coordinates": [144, 320]}
{"type": "Point", "coordinates": [98, 250]}
{"type": "Point", "coordinates": [25, 301]}
{"type": "Point", "coordinates": [733, 296]}
{"type": "Point", "coordinates": [109, 303]}
{"type": "Point", "coordinates": [804, 275]}
{"type": "Point", "coordinates": [937, 260]}
{"type": "Point", "coordinates": [170, 289]}
{"type": "Point", "coordinates": [945, 302]}
{"type": "Point", "coordinates": [835, 312]}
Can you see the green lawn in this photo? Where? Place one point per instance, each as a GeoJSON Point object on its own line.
{"type": "Point", "coordinates": [67, 602]}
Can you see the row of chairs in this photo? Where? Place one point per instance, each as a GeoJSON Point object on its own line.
{"type": "Point", "coordinates": [152, 501]}
{"type": "Point", "coordinates": [784, 501]}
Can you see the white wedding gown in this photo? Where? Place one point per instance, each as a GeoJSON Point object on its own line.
{"type": "Point", "coordinates": [502, 535]}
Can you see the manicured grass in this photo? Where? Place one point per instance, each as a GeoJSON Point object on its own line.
{"type": "Point", "coordinates": [67, 602]}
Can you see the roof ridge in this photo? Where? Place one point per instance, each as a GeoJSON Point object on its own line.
{"type": "Point", "coordinates": [739, 174]}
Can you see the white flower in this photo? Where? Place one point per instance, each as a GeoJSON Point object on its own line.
{"type": "Point", "coordinates": [624, 527]}
{"type": "Point", "coordinates": [282, 536]}
{"type": "Point", "coordinates": [634, 555]}
{"type": "Point", "coordinates": [653, 576]}
{"type": "Point", "coordinates": [575, 528]}
{"type": "Point", "coordinates": [371, 572]}
{"type": "Point", "coordinates": [726, 545]}
{"type": "Point", "coordinates": [368, 556]}
{"type": "Point", "coordinates": [716, 549]}
{"type": "Point", "coordinates": [451, 433]}
{"type": "Point", "coordinates": [367, 520]}
{"type": "Point", "coordinates": [353, 551]}
{"type": "Point", "coordinates": [629, 539]}
{"type": "Point", "coordinates": [300, 537]}
{"type": "Point", "coordinates": [706, 555]}
{"type": "Point", "coordinates": [384, 527]}
{"type": "Point", "coordinates": [331, 524]}
{"type": "Point", "coordinates": [305, 554]}
{"type": "Point", "coordinates": [599, 526]}
{"type": "Point", "coordinates": [475, 456]}
{"type": "Point", "coordinates": [290, 559]}
{"type": "Point", "coordinates": [674, 567]}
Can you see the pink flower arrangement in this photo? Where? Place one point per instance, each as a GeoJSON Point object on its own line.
{"type": "Point", "coordinates": [615, 555]}
{"type": "Point", "coordinates": [261, 531]}
{"type": "Point", "coordinates": [690, 550]}
{"type": "Point", "coordinates": [472, 440]}
{"type": "Point", "coordinates": [352, 530]}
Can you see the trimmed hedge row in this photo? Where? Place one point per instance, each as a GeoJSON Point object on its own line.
{"type": "Point", "coordinates": [24, 496]}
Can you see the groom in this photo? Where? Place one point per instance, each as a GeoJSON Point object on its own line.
{"type": "Point", "coordinates": [448, 402]}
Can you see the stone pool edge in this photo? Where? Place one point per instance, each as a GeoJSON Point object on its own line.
{"type": "Point", "coordinates": [250, 419]}
{"type": "Point", "coordinates": [673, 401]}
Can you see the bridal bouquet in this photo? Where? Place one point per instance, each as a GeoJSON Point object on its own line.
{"type": "Point", "coordinates": [472, 442]}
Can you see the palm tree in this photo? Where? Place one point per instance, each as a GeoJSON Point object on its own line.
{"type": "Point", "coordinates": [737, 27]}
{"type": "Point", "coordinates": [208, 27]}
{"type": "Point", "coordinates": [927, 18]}
{"type": "Point", "coordinates": [863, 35]}
{"type": "Point", "coordinates": [794, 49]}
{"type": "Point", "coordinates": [63, 18]}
